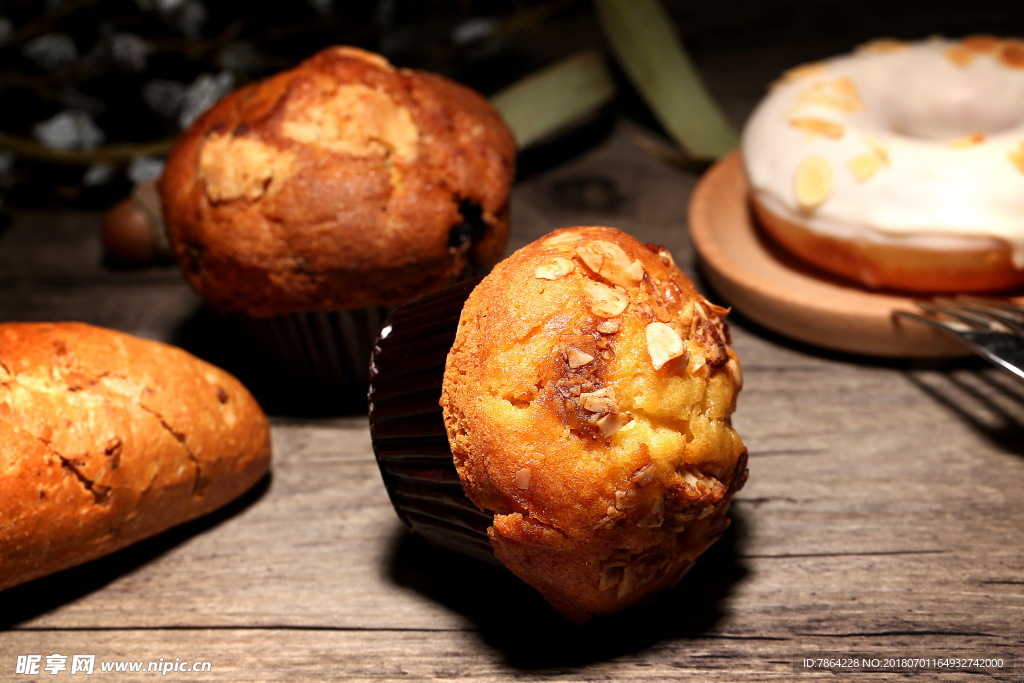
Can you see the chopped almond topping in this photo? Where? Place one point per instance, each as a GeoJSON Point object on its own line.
{"type": "Point", "coordinates": [608, 326]}
{"type": "Point", "coordinates": [555, 268]}
{"type": "Point", "coordinates": [523, 478]}
{"type": "Point", "coordinates": [600, 401]}
{"type": "Point", "coordinates": [968, 141]}
{"type": "Point", "coordinates": [611, 262]}
{"type": "Point", "coordinates": [811, 124]}
{"type": "Point", "coordinates": [578, 358]}
{"type": "Point", "coordinates": [813, 183]}
{"type": "Point", "coordinates": [605, 301]}
{"type": "Point", "coordinates": [1012, 54]}
{"type": "Point", "coordinates": [883, 46]}
{"type": "Point", "coordinates": [981, 43]}
{"type": "Point", "coordinates": [663, 344]}
{"type": "Point", "coordinates": [864, 166]}
{"type": "Point", "coordinates": [732, 366]}
{"type": "Point", "coordinates": [613, 422]}
{"type": "Point", "coordinates": [959, 55]}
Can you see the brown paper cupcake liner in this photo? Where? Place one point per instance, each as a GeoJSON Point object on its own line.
{"type": "Point", "coordinates": [407, 427]}
{"type": "Point", "coordinates": [331, 348]}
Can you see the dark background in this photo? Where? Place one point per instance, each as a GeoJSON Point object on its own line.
{"type": "Point", "coordinates": [133, 69]}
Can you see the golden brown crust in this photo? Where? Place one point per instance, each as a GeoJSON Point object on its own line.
{"type": "Point", "coordinates": [342, 183]}
{"type": "Point", "coordinates": [587, 400]}
{"type": "Point", "coordinates": [106, 439]}
{"type": "Point", "coordinates": [986, 268]}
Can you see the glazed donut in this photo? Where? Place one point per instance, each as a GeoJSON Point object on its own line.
{"type": "Point", "coordinates": [899, 166]}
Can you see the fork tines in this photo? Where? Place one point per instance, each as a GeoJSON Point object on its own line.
{"type": "Point", "coordinates": [992, 328]}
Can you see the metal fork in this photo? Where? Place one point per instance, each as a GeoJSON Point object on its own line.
{"type": "Point", "coordinates": [992, 328]}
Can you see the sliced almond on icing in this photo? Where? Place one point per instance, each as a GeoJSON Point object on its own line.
{"type": "Point", "coordinates": [959, 55]}
{"type": "Point", "coordinates": [600, 401]}
{"type": "Point", "coordinates": [967, 141]}
{"type": "Point", "coordinates": [577, 358]}
{"type": "Point", "coordinates": [663, 344]}
{"type": "Point", "coordinates": [605, 301]}
{"type": "Point", "coordinates": [1017, 157]}
{"type": "Point", "coordinates": [981, 43]}
{"type": "Point", "coordinates": [555, 268]}
{"type": "Point", "coordinates": [837, 93]}
{"type": "Point", "coordinates": [812, 124]}
{"type": "Point", "coordinates": [611, 262]}
{"type": "Point", "coordinates": [812, 184]}
{"type": "Point", "coordinates": [864, 166]}
{"type": "Point", "coordinates": [883, 46]}
{"type": "Point", "coordinates": [609, 326]}
{"type": "Point", "coordinates": [800, 72]}
{"type": "Point", "coordinates": [1011, 53]}
{"type": "Point", "coordinates": [880, 150]}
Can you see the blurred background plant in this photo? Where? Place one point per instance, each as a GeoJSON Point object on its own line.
{"type": "Point", "coordinates": [93, 92]}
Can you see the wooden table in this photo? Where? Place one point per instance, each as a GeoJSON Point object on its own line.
{"type": "Point", "coordinates": [883, 518]}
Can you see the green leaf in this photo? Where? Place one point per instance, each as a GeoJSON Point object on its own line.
{"type": "Point", "coordinates": [645, 44]}
{"type": "Point", "coordinates": [546, 101]}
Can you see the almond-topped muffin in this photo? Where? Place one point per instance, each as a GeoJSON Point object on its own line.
{"type": "Point", "coordinates": [342, 183]}
{"type": "Point", "coordinates": [340, 187]}
{"type": "Point", "coordinates": [587, 400]}
{"type": "Point", "coordinates": [568, 416]}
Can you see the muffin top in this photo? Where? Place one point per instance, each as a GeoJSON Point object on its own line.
{"type": "Point", "coordinates": [587, 399]}
{"type": "Point", "coordinates": [342, 183]}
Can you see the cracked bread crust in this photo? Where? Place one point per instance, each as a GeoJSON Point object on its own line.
{"type": "Point", "coordinates": [342, 183]}
{"type": "Point", "coordinates": [587, 399]}
{"type": "Point", "coordinates": [106, 439]}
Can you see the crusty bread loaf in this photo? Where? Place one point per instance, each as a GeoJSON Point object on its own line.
{"type": "Point", "coordinates": [342, 183]}
{"type": "Point", "coordinates": [588, 400]}
{"type": "Point", "coordinates": [106, 439]}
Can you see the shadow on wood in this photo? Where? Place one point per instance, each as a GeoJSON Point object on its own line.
{"type": "Point", "coordinates": [29, 600]}
{"type": "Point", "coordinates": [514, 619]}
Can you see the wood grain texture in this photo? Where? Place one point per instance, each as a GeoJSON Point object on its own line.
{"type": "Point", "coordinates": [883, 516]}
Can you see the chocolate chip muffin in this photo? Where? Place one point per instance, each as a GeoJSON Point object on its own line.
{"type": "Point", "coordinates": [344, 184]}
{"type": "Point", "coordinates": [587, 401]}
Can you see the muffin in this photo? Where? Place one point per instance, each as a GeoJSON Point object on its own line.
{"type": "Point", "coordinates": [313, 200]}
{"type": "Point", "coordinates": [584, 413]}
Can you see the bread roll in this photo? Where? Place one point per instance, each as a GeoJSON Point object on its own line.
{"type": "Point", "coordinates": [107, 439]}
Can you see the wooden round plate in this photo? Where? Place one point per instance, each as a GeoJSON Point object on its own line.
{"type": "Point", "coordinates": [784, 295]}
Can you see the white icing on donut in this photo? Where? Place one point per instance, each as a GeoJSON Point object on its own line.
{"type": "Point", "coordinates": [923, 142]}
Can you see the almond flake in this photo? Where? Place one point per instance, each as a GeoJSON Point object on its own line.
{"type": "Point", "coordinates": [811, 124]}
{"type": "Point", "coordinates": [967, 141]}
{"type": "Point", "coordinates": [523, 478]}
{"type": "Point", "coordinates": [883, 46]}
{"type": "Point", "coordinates": [555, 268]}
{"type": "Point", "coordinates": [611, 262]}
{"type": "Point", "coordinates": [838, 93]}
{"type": "Point", "coordinates": [663, 344]}
{"type": "Point", "coordinates": [1017, 157]}
{"type": "Point", "coordinates": [959, 55]}
{"type": "Point", "coordinates": [613, 422]}
{"type": "Point", "coordinates": [864, 166]}
{"type": "Point", "coordinates": [981, 43]}
{"type": "Point", "coordinates": [732, 367]}
{"type": "Point", "coordinates": [880, 150]}
{"type": "Point", "coordinates": [605, 301]}
{"type": "Point", "coordinates": [812, 184]}
{"type": "Point", "coordinates": [608, 326]}
{"type": "Point", "coordinates": [802, 71]}
{"type": "Point", "coordinates": [1012, 54]}
{"type": "Point", "coordinates": [600, 401]}
{"type": "Point", "coordinates": [578, 358]}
